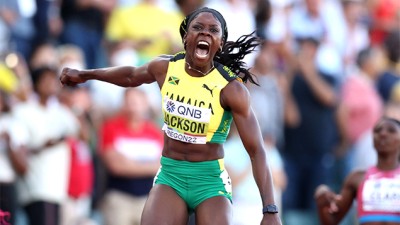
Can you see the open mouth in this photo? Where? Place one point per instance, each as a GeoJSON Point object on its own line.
{"type": "Point", "coordinates": [202, 49]}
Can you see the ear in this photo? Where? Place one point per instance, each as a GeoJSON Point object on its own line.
{"type": "Point", "coordinates": [184, 41]}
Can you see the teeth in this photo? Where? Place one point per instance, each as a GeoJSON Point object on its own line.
{"type": "Point", "coordinates": [203, 43]}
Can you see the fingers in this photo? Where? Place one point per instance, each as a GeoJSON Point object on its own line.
{"type": "Point", "coordinates": [65, 78]}
{"type": "Point", "coordinates": [333, 207]}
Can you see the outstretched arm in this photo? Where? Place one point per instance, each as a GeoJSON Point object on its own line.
{"type": "Point", "coordinates": [333, 207]}
{"type": "Point", "coordinates": [125, 76]}
{"type": "Point", "coordinates": [236, 98]}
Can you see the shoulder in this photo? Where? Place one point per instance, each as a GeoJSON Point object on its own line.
{"type": "Point", "coordinates": [227, 73]}
{"type": "Point", "coordinates": [114, 121]}
{"type": "Point", "coordinates": [160, 60]}
{"type": "Point", "coordinates": [159, 65]}
{"type": "Point", "coordinates": [25, 110]}
{"type": "Point", "coordinates": [236, 87]}
{"type": "Point", "coordinates": [235, 94]}
{"type": "Point", "coordinates": [178, 56]}
{"type": "Point", "coordinates": [355, 178]}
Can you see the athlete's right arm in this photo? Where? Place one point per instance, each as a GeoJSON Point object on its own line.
{"type": "Point", "coordinates": [332, 207]}
{"type": "Point", "coordinates": [124, 76]}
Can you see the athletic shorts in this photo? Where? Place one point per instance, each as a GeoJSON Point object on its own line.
{"type": "Point", "coordinates": [195, 182]}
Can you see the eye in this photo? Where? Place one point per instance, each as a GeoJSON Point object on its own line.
{"type": "Point", "coordinates": [214, 30]}
{"type": "Point", "coordinates": [392, 129]}
{"type": "Point", "coordinates": [377, 129]}
{"type": "Point", "coordinates": [196, 27]}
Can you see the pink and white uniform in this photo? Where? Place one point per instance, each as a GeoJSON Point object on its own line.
{"type": "Point", "coordinates": [378, 196]}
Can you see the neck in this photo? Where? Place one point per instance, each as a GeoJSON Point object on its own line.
{"type": "Point", "coordinates": [388, 162]}
{"type": "Point", "coordinates": [43, 100]}
{"type": "Point", "coordinates": [200, 71]}
{"type": "Point", "coordinates": [134, 123]}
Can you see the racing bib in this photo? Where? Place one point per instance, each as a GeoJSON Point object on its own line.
{"type": "Point", "coordinates": [382, 195]}
{"type": "Point", "coordinates": [184, 122]}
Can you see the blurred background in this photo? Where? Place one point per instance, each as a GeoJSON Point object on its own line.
{"type": "Point", "coordinates": [328, 70]}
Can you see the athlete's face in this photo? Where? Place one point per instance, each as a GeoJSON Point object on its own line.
{"type": "Point", "coordinates": [204, 38]}
{"type": "Point", "coordinates": [387, 137]}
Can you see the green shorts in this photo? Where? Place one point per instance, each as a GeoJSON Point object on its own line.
{"type": "Point", "coordinates": [195, 181]}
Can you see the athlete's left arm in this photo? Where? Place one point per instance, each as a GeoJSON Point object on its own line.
{"type": "Point", "coordinates": [236, 98]}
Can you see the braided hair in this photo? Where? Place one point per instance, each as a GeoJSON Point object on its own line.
{"type": "Point", "coordinates": [232, 52]}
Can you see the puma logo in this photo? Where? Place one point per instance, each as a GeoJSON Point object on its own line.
{"type": "Point", "coordinates": [209, 89]}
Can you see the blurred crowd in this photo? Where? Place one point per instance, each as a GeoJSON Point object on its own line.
{"type": "Point", "coordinates": [327, 71]}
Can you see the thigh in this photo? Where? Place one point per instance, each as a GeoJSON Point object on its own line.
{"type": "Point", "coordinates": [214, 211]}
{"type": "Point", "coordinates": [164, 207]}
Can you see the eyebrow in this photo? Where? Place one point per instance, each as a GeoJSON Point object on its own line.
{"type": "Point", "coordinates": [212, 25]}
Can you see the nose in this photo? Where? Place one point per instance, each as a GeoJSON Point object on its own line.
{"type": "Point", "coordinates": [205, 32]}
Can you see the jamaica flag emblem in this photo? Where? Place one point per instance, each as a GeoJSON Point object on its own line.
{"type": "Point", "coordinates": [173, 80]}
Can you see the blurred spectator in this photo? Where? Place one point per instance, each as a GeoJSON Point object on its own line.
{"type": "Point", "coordinates": [317, 19]}
{"type": "Point", "coordinates": [47, 21]}
{"type": "Point", "coordinates": [360, 108]}
{"type": "Point", "coordinates": [393, 106]}
{"type": "Point", "coordinates": [8, 80]}
{"type": "Point", "coordinates": [84, 22]}
{"type": "Point", "coordinates": [384, 18]}
{"type": "Point", "coordinates": [133, 42]}
{"type": "Point", "coordinates": [356, 33]}
{"type": "Point", "coordinates": [188, 6]}
{"type": "Point", "coordinates": [131, 148]}
{"type": "Point", "coordinates": [17, 15]}
{"type": "Point", "coordinates": [43, 189]}
{"type": "Point", "coordinates": [71, 56]}
{"type": "Point", "coordinates": [246, 197]}
{"type": "Point", "coordinates": [237, 12]}
{"type": "Point", "coordinates": [140, 41]}
{"type": "Point", "coordinates": [44, 54]}
{"type": "Point", "coordinates": [15, 63]}
{"type": "Point", "coordinates": [309, 145]}
{"type": "Point", "coordinates": [270, 99]}
{"type": "Point", "coordinates": [77, 209]}
{"type": "Point", "coordinates": [272, 18]}
{"type": "Point", "coordinates": [13, 137]}
{"type": "Point", "coordinates": [323, 21]}
{"type": "Point", "coordinates": [267, 101]}
{"type": "Point", "coordinates": [387, 81]}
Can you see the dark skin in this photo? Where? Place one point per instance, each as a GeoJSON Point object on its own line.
{"type": "Point", "coordinates": [164, 206]}
{"type": "Point", "coordinates": [332, 207]}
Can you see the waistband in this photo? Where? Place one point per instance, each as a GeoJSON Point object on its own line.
{"type": "Point", "coordinates": [192, 168]}
{"type": "Point", "coordinates": [379, 218]}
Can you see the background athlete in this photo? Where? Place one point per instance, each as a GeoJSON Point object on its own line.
{"type": "Point", "coordinates": [192, 175]}
{"type": "Point", "coordinates": [377, 190]}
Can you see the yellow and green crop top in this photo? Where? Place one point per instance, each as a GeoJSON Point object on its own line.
{"type": "Point", "coordinates": [191, 105]}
